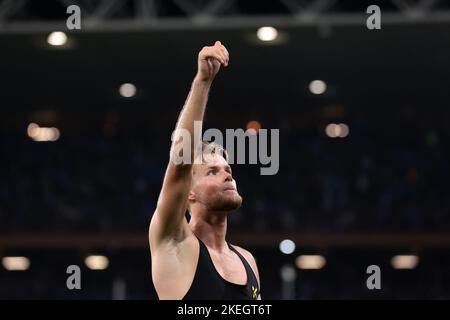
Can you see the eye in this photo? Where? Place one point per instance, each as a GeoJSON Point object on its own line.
{"type": "Point", "coordinates": [211, 172]}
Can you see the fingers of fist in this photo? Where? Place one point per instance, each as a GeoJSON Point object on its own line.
{"type": "Point", "coordinates": [218, 52]}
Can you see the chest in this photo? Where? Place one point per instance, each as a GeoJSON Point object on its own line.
{"type": "Point", "coordinates": [230, 267]}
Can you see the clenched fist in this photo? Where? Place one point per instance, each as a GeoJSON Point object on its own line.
{"type": "Point", "coordinates": [209, 60]}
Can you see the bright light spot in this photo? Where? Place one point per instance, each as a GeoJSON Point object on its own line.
{"type": "Point", "coordinates": [330, 130]}
{"type": "Point", "coordinates": [57, 38]}
{"type": "Point", "coordinates": [317, 86]}
{"type": "Point", "coordinates": [33, 130]}
{"type": "Point", "coordinates": [310, 262]}
{"type": "Point", "coordinates": [41, 134]}
{"type": "Point", "coordinates": [96, 262]}
{"type": "Point", "coordinates": [127, 90]}
{"type": "Point", "coordinates": [55, 134]}
{"type": "Point", "coordinates": [287, 273]}
{"type": "Point", "coordinates": [16, 263]}
{"type": "Point", "coordinates": [404, 261]}
{"type": "Point", "coordinates": [287, 246]}
{"type": "Point", "coordinates": [267, 33]}
{"type": "Point", "coordinates": [253, 127]}
{"type": "Point", "coordinates": [344, 130]}
{"type": "Point", "coordinates": [337, 130]}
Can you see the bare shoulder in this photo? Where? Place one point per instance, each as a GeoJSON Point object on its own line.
{"type": "Point", "coordinates": [173, 266]}
{"type": "Point", "coordinates": [250, 258]}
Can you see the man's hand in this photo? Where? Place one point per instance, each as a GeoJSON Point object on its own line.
{"type": "Point", "coordinates": [209, 61]}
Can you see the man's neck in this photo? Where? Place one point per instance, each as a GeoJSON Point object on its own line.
{"type": "Point", "coordinates": [211, 228]}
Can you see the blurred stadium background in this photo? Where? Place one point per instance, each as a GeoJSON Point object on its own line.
{"type": "Point", "coordinates": [86, 119]}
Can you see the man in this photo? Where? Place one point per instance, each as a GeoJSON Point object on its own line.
{"type": "Point", "coordinates": [193, 260]}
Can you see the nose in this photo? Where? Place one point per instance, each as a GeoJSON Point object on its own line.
{"type": "Point", "coordinates": [228, 177]}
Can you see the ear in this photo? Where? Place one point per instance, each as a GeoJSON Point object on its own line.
{"type": "Point", "coordinates": [191, 196]}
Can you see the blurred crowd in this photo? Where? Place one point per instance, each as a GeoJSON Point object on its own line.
{"type": "Point", "coordinates": [392, 177]}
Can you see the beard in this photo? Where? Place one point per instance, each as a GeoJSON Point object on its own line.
{"type": "Point", "coordinates": [225, 202]}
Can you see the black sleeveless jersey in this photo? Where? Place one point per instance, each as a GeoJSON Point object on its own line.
{"type": "Point", "coordinates": [209, 284]}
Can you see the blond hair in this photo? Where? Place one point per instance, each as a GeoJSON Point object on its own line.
{"type": "Point", "coordinates": [214, 148]}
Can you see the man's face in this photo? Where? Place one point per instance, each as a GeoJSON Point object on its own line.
{"type": "Point", "coordinates": [213, 185]}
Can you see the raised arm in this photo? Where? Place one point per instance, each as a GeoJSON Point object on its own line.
{"type": "Point", "coordinates": [168, 218]}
